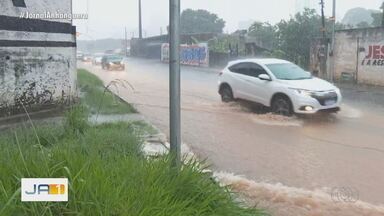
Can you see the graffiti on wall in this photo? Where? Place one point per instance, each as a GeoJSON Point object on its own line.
{"type": "Point", "coordinates": [375, 56]}
{"type": "Point", "coordinates": [194, 55]}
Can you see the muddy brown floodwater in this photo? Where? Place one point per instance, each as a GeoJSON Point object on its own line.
{"type": "Point", "coordinates": [319, 153]}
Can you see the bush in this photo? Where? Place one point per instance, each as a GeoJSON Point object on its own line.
{"type": "Point", "coordinates": [99, 99]}
{"type": "Point", "coordinates": [76, 120]}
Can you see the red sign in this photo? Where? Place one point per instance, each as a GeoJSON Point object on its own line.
{"type": "Point", "coordinates": [375, 56]}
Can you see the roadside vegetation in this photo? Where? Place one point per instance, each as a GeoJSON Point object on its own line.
{"type": "Point", "coordinates": [289, 39]}
{"type": "Point", "coordinates": [107, 171]}
{"type": "Point", "coordinates": [98, 98]}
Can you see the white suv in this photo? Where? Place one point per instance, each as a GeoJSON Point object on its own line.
{"type": "Point", "coordinates": [281, 85]}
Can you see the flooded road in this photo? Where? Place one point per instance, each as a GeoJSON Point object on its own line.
{"type": "Point", "coordinates": [345, 150]}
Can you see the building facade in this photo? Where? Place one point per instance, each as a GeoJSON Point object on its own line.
{"type": "Point", "coordinates": [359, 55]}
{"type": "Point", "coordinates": [37, 55]}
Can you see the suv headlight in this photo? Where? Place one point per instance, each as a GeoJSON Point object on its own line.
{"type": "Point", "coordinates": [303, 92]}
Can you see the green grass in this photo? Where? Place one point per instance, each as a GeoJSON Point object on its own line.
{"type": "Point", "coordinates": [108, 173]}
{"type": "Point", "coordinates": [146, 128]}
{"type": "Point", "coordinates": [97, 98]}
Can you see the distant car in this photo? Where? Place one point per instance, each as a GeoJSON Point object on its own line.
{"type": "Point", "coordinates": [79, 56]}
{"type": "Point", "coordinates": [281, 85]}
{"type": "Point", "coordinates": [97, 59]}
{"type": "Point", "coordinates": [112, 62]}
{"type": "Point", "coordinates": [87, 58]}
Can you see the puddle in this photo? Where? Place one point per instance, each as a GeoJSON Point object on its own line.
{"type": "Point", "coordinates": [281, 200]}
{"type": "Point", "coordinates": [259, 114]}
{"type": "Point", "coordinates": [100, 119]}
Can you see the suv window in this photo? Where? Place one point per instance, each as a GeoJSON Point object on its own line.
{"type": "Point", "coordinates": [240, 68]}
{"type": "Point", "coordinates": [257, 70]}
{"type": "Point", "coordinates": [248, 69]}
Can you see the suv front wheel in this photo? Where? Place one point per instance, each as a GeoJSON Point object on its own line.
{"type": "Point", "coordinates": [282, 106]}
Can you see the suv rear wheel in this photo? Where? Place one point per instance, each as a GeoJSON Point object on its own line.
{"type": "Point", "coordinates": [282, 106]}
{"type": "Point", "coordinates": [226, 94]}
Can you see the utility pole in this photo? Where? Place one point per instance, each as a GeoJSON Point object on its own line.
{"type": "Point", "coordinates": [126, 42]}
{"type": "Point", "coordinates": [71, 2]}
{"type": "Point", "coordinates": [140, 22]}
{"type": "Point", "coordinates": [323, 49]}
{"type": "Point", "coordinates": [174, 81]}
{"type": "Point", "coordinates": [332, 69]}
{"type": "Point", "coordinates": [382, 20]}
{"type": "Point", "coordinates": [87, 29]}
{"type": "Point", "coordinates": [323, 19]}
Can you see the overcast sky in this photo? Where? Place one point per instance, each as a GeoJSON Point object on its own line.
{"type": "Point", "coordinates": [108, 18]}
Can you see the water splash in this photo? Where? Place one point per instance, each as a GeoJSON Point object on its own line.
{"type": "Point", "coordinates": [288, 201]}
{"type": "Point", "coordinates": [276, 120]}
{"type": "Point", "coordinates": [350, 112]}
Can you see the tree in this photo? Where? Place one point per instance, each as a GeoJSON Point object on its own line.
{"type": "Point", "coordinates": [363, 25]}
{"type": "Point", "coordinates": [200, 21]}
{"type": "Point", "coordinates": [265, 33]}
{"type": "Point", "coordinates": [341, 26]}
{"type": "Point", "coordinates": [296, 35]}
{"type": "Point", "coordinates": [355, 16]}
{"type": "Point", "coordinates": [378, 18]}
{"type": "Point", "coordinates": [222, 44]}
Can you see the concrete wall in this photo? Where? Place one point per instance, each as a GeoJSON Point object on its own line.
{"type": "Point", "coordinates": [360, 54]}
{"type": "Point", "coordinates": [37, 57]}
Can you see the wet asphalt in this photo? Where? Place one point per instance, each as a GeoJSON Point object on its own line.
{"type": "Point", "coordinates": [315, 152]}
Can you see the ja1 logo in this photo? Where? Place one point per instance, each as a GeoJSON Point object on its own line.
{"type": "Point", "coordinates": [44, 190]}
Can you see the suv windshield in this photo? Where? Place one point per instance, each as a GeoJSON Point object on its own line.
{"type": "Point", "coordinates": [288, 71]}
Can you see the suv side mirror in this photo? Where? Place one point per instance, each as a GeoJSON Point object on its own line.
{"type": "Point", "coordinates": [265, 77]}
